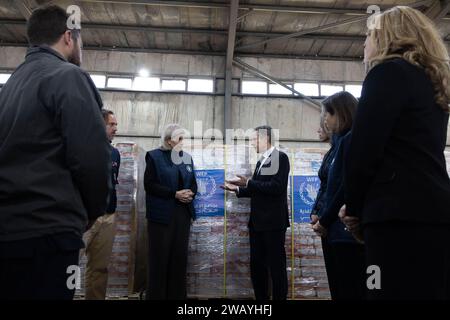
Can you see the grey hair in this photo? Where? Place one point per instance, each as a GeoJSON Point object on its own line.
{"type": "Point", "coordinates": [170, 131]}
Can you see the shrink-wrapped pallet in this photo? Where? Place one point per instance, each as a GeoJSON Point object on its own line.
{"type": "Point", "coordinates": [310, 280]}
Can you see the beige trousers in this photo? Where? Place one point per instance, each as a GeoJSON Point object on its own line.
{"type": "Point", "coordinates": [99, 243]}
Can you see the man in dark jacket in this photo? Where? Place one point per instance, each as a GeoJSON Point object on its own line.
{"type": "Point", "coordinates": [54, 162]}
{"type": "Point", "coordinates": [100, 238]}
{"type": "Point", "coordinates": [269, 217]}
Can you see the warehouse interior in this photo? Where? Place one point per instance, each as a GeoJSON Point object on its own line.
{"type": "Point", "coordinates": [315, 46]}
{"type": "Point", "coordinates": [224, 64]}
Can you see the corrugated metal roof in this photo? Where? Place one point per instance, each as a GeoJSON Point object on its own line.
{"type": "Point", "coordinates": [203, 25]}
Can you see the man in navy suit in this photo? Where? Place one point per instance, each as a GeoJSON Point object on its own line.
{"type": "Point", "coordinates": [269, 217]}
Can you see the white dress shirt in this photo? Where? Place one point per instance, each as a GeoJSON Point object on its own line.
{"type": "Point", "coordinates": [263, 160]}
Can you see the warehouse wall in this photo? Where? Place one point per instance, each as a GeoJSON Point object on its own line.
{"type": "Point", "coordinates": [145, 114]}
{"type": "Point", "coordinates": [141, 116]}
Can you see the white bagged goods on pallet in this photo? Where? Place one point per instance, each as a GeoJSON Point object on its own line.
{"type": "Point", "coordinates": [228, 275]}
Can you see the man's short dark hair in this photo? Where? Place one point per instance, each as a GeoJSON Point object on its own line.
{"type": "Point", "coordinates": [267, 130]}
{"type": "Point", "coordinates": [47, 24]}
{"type": "Point", "coordinates": [106, 113]}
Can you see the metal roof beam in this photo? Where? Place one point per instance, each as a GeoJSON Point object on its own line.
{"type": "Point", "coordinates": [303, 32]}
{"type": "Point", "coordinates": [232, 24]}
{"type": "Point", "coordinates": [438, 9]}
{"type": "Point", "coordinates": [205, 53]}
{"type": "Point", "coordinates": [258, 73]}
{"type": "Point", "coordinates": [247, 7]}
{"type": "Point", "coordinates": [23, 8]}
{"type": "Point", "coordinates": [218, 5]}
{"type": "Point", "coordinates": [320, 28]}
{"type": "Point", "coordinates": [256, 34]}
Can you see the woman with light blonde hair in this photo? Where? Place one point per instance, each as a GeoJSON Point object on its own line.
{"type": "Point", "coordinates": [170, 187]}
{"type": "Point", "coordinates": [397, 186]}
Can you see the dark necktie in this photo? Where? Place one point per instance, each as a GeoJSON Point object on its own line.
{"type": "Point", "coordinates": [258, 165]}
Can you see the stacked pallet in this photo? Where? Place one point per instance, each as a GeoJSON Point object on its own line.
{"type": "Point", "coordinates": [310, 280]}
{"type": "Point", "coordinates": [205, 272]}
{"type": "Point", "coordinates": [219, 248]}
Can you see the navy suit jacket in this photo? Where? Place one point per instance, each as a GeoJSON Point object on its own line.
{"type": "Point", "coordinates": [268, 192]}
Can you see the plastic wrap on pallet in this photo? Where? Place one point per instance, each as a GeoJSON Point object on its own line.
{"type": "Point", "coordinates": [219, 258]}
{"type": "Point", "coordinates": [205, 261]}
{"type": "Point", "coordinates": [205, 273]}
{"type": "Point", "coordinates": [130, 207]}
{"type": "Point", "coordinates": [238, 283]}
{"type": "Point", "coordinates": [310, 279]}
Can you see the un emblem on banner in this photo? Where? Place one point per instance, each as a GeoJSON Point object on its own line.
{"type": "Point", "coordinates": [206, 187]}
{"type": "Point", "coordinates": [308, 192]}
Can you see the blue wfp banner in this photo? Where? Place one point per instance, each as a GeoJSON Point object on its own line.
{"type": "Point", "coordinates": [210, 198]}
{"type": "Point", "coordinates": [305, 193]}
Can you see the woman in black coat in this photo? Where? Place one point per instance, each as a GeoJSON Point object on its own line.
{"type": "Point", "coordinates": [316, 212]}
{"type": "Point", "coordinates": [170, 187]}
{"type": "Point", "coordinates": [397, 186]}
{"type": "Point", "coordinates": [324, 136]}
{"type": "Point", "coordinates": [344, 256]}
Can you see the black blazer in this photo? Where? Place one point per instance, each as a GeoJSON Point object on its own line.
{"type": "Point", "coordinates": [335, 194]}
{"type": "Point", "coordinates": [319, 203]}
{"type": "Point", "coordinates": [395, 168]}
{"type": "Point", "coordinates": [268, 193]}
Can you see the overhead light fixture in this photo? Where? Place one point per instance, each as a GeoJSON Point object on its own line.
{"type": "Point", "coordinates": [144, 73]}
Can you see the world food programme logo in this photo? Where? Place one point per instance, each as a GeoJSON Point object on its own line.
{"type": "Point", "coordinates": [308, 191]}
{"type": "Point", "coordinates": [206, 186]}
